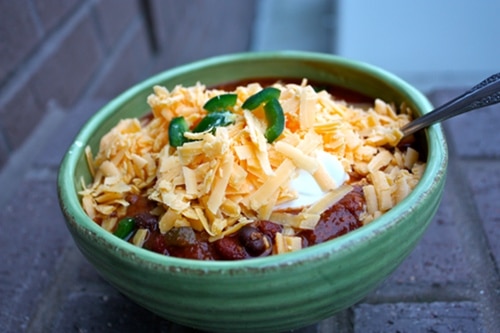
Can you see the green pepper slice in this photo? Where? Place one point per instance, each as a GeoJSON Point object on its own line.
{"type": "Point", "coordinates": [220, 102]}
{"type": "Point", "coordinates": [263, 96]}
{"type": "Point", "coordinates": [178, 126]}
{"type": "Point", "coordinates": [125, 228]}
{"type": "Point", "coordinates": [275, 119]}
{"type": "Point", "coordinates": [213, 120]}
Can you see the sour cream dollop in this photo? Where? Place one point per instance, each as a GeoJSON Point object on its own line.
{"type": "Point", "coordinates": [306, 186]}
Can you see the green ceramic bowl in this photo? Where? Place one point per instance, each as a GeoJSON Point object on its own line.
{"type": "Point", "coordinates": [266, 294]}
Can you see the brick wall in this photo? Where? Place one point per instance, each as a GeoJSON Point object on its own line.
{"type": "Point", "coordinates": [55, 53]}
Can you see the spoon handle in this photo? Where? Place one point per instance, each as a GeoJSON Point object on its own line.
{"type": "Point", "coordinates": [483, 94]}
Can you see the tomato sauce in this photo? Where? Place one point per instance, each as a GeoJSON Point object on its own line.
{"type": "Point", "coordinates": [251, 241]}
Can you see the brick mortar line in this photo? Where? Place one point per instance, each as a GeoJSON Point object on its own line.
{"type": "Point", "coordinates": [109, 60]}
{"type": "Point", "coordinates": [472, 159]}
{"type": "Point", "coordinates": [475, 244]}
{"type": "Point", "coordinates": [35, 15]}
{"type": "Point", "coordinates": [20, 163]}
{"type": "Point", "coordinates": [103, 48]}
{"type": "Point", "coordinates": [426, 293]}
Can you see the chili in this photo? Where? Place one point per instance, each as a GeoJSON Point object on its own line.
{"type": "Point", "coordinates": [213, 120]}
{"type": "Point", "coordinates": [220, 102]}
{"type": "Point", "coordinates": [275, 120]}
{"type": "Point", "coordinates": [125, 228]}
{"type": "Point", "coordinates": [263, 96]}
{"type": "Point", "coordinates": [255, 239]}
{"type": "Point", "coordinates": [178, 126]}
{"type": "Point", "coordinates": [251, 241]}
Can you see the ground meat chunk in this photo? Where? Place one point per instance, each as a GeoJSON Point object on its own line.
{"type": "Point", "coordinates": [338, 220]}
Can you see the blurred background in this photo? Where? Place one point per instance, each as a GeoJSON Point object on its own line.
{"type": "Point", "coordinates": [431, 44]}
{"type": "Point", "coordinates": [57, 54]}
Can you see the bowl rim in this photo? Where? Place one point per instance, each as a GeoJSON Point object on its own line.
{"type": "Point", "coordinates": [73, 211]}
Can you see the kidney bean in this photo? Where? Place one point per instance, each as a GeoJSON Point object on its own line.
{"type": "Point", "coordinates": [230, 248]}
{"type": "Point", "coordinates": [156, 243]}
{"type": "Point", "coordinates": [268, 228]}
{"type": "Point", "coordinates": [200, 251]}
{"type": "Point", "coordinates": [146, 220]}
{"type": "Point", "coordinates": [254, 241]}
{"type": "Point", "coordinates": [138, 204]}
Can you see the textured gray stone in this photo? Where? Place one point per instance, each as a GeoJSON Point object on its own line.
{"type": "Point", "coordinates": [484, 180]}
{"type": "Point", "coordinates": [437, 261]}
{"type": "Point", "coordinates": [417, 317]}
{"type": "Point", "coordinates": [88, 311]}
{"type": "Point", "coordinates": [473, 134]}
{"type": "Point", "coordinates": [32, 240]}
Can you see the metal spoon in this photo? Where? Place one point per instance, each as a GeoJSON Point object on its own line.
{"type": "Point", "coordinates": [485, 93]}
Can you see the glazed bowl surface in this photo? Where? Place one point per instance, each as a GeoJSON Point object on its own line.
{"type": "Point", "coordinates": [275, 293]}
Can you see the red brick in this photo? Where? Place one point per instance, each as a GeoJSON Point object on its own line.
{"type": "Point", "coordinates": [19, 116]}
{"type": "Point", "coordinates": [65, 73]}
{"type": "Point", "coordinates": [417, 317]}
{"type": "Point", "coordinates": [183, 36]}
{"type": "Point", "coordinates": [53, 12]}
{"type": "Point", "coordinates": [130, 63]}
{"type": "Point", "coordinates": [19, 35]}
{"type": "Point", "coordinates": [114, 16]}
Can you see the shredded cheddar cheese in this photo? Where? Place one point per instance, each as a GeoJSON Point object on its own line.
{"type": "Point", "coordinates": [222, 180]}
